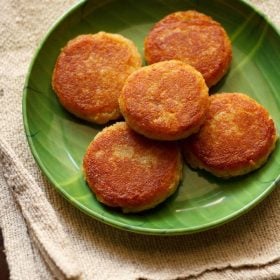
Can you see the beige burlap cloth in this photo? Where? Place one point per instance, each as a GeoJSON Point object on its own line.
{"type": "Point", "coordinates": [46, 238]}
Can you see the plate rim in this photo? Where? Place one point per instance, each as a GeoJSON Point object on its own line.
{"type": "Point", "coordinates": [99, 216]}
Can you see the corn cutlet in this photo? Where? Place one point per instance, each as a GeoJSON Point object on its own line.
{"type": "Point", "coordinates": [194, 38]}
{"type": "Point", "coordinates": [236, 138]}
{"type": "Point", "coordinates": [126, 170]}
{"type": "Point", "coordinates": [90, 73]}
{"type": "Point", "coordinates": [165, 101]}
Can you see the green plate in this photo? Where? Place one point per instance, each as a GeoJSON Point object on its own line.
{"type": "Point", "coordinates": [58, 140]}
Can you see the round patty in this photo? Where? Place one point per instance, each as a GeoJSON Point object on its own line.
{"type": "Point", "coordinates": [165, 101]}
{"type": "Point", "coordinates": [90, 73]}
{"type": "Point", "coordinates": [193, 38]}
{"type": "Point", "coordinates": [236, 138]}
{"type": "Point", "coordinates": [127, 170]}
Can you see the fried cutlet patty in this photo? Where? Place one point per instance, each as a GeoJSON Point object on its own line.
{"type": "Point", "coordinates": [127, 170]}
{"type": "Point", "coordinates": [165, 101]}
{"type": "Point", "coordinates": [236, 138]}
{"type": "Point", "coordinates": [90, 73]}
{"type": "Point", "coordinates": [193, 38]}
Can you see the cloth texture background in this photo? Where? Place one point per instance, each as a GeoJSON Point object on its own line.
{"type": "Point", "coordinates": [47, 238]}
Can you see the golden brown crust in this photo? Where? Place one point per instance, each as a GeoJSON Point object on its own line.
{"type": "Point", "coordinates": [90, 72]}
{"type": "Point", "coordinates": [165, 101]}
{"type": "Point", "coordinates": [127, 170]}
{"type": "Point", "coordinates": [236, 138]}
{"type": "Point", "coordinates": [193, 38]}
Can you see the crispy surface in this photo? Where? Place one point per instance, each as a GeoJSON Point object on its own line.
{"type": "Point", "coordinates": [166, 100]}
{"type": "Point", "coordinates": [193, 38]}
{"type": "Point", "coordinates": [90, 72]}
{"type": "Point", "coordinates": [127, 170]}
{"type": "Point", "coordinates": [236, 138]}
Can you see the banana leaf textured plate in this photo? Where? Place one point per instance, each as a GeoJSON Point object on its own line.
{"type": "Point", "coordinates": [58, 140]}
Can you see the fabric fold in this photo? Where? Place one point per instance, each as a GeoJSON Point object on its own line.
{"type": "Point", "coordinates": [42, 222]}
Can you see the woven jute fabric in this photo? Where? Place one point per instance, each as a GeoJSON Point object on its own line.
{"type": "Point", "coordinates": [47, 238]}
